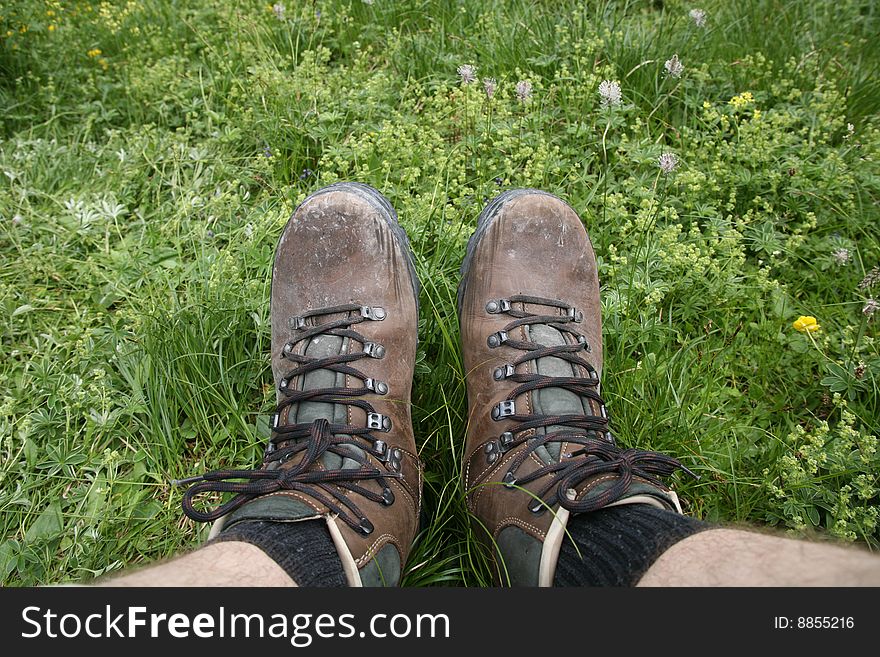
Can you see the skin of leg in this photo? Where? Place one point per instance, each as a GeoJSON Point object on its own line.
{"type": "Point", "coordinates": [736, 557]}
{"type": "Point", "coordinates": [220, 564]}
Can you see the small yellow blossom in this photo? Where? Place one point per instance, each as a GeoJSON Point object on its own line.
{"type": "Point", "coordinates": [806, 324]}
{"type": "Point", "coordinates": [103, 63]}
{"type": "Point", "coordinates": [49, 12]}
{"type": "Point", "coordinates": [707, 104]}
{"type": "Point", "coordinates": [94, 52]}
{"type": "Point", "coordinates": [51, 28]}
{"type": "Point", "coordinates": [756, 115]}
{"type": "Point", "coordinates": [742, 100]}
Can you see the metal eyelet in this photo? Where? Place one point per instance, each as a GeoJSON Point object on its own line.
{"type": "Point", "coordinates": [537, 506]}
{"type": "Point", "coordinates": [296, 323]}
{"type": "Point", "coordinates": [379, 387]}
{"type": "Point", "coordinates": [583, 342]}
{"type": "Point", "coordinates": [603, 412]}
{"type": "Point", "coordinates": [287, 349]}
{"type": "Point", "coordinates": [500, 306]}
{"type": "Point", "coordinates": [502, 373]}
{"type": "Point", "coordinates": [270, 447]}
{"type": "Point", "coordinates": [374, 349]}
{"type": "Point", "coordinates": [493, 451]}
{"type": "Point", "coordinates": [366, 527]}
{"type": "Point", "coordinates": [394, 459]}
{"type": "Point", "coordinates": [509, 480]}
{"type": "Point", "coordinates": [275, 419]}
{"type": "Point", "coordinates": [594, 375]}
{"type": "Point", "coordinates": [387, 497]}
{"type": "Point", "coordinates": [505, 440]}
{"type": "Point", "coordinates": [575, 315]}
{"type": "Point", "coordinates": [382, 448]}
{"type": "Point", "coordinates": [497, 339]}
{"type": "Point", "coordinates": [378, 422]}
{"type": "Point", "coordinates": [376, 313]}
{"type": "Point", "coordinates": [503, 409]}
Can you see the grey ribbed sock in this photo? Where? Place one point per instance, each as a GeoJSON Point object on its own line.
{"type": "Point", "coordinates": [618, 544]}
{"type": "Point", "coordinates": [303, 549]}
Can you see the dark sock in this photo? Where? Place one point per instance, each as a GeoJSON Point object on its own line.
{"type": "Point", "coordinates": [618, 544]}
{"type": "Point", "coordinates": [303, 549]}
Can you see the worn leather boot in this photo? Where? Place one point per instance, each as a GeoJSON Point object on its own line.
{"type": "Point", "coordinates": [344, 315]}
{"type": "Point", "coordinates": [538, 445]}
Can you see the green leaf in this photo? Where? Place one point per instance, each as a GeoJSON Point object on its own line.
{"type": "Point", "coordinates": [47, 525]}
{"type": "Point", "coordinates": [8, 558]}
{"type": "Point", "coordinates": [21, 310]}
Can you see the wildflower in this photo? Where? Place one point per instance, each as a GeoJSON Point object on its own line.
{"type": "Point", "coordinates": [871, 307]}
{"type": "Point", "coordinates": [305, 174]}
{"type": "Point", "coordinates": [209, 233]}
{"type": "Point", "coordinates": [698, 16]}
{"type": "Point", "coordinates": [51, 28]}
{"type": "Point", "coordinates": [609, 90]}
{"type": "Point", "coordinates": [841, 256]}
{"type": "Point", "coordinates": [667, 162]}
{"type": "Point", "coordinates": [870, 278]}
{"type": "Point", "coordinates": [267, 152]}
{"type": "Point", "coordinates": [467, 73]}
{"type": "Point", "coordinates": [806, 324]}
{"type": "Point", "coordinates": [850, 130]}
{"type": "Point", "coordinates": [16, 220]}
{"type": "Point", "coordinates": [523, 90]}
{"type": "Point", "coordinates": [859, 371]}
{"type": "Point", "coordinates": [94, 52]}
{"type": "Point", "coordinates": [674, 67]}
{"type": "Point", "coordinates": [742, 100]}
{"type": "Point", "coordinates": [278, 8]}
{"type": "Point", "coordinates": [489, 86]}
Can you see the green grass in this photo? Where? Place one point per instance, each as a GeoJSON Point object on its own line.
{"type": "Point", "coordinates": [145, 186]}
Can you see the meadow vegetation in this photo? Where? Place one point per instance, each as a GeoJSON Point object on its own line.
{"type": "Point", "coordinates": [723, 156]}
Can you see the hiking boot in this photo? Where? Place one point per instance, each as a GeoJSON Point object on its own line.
{"type": "Point", "coordinates": [344, 316]}
{"type": "Point", "coordinates": [538, 445]}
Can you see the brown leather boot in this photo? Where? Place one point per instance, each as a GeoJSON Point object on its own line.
{"type": "Point", "coordinates": [344, 327]}
{"type": "Point", "coordinates": [538, 443]}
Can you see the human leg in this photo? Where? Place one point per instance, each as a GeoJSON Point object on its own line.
{"type": "Point", "coordinates": [736, 557]}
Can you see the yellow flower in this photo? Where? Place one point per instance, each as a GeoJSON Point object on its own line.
{"type": "Point", "coordinates": [94, 52]}
{"type": "Point", "coordinates": [51, 28]}
{"type": "Point", "coordinates": [806, 324]}
{"type": "Point", "coordinates": [742, 100]}
{"type": "Point", "coordinates": [49, 12]}
{"type": "Point", "coordinates": [103, 63]}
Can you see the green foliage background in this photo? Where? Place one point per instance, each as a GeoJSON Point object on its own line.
{"type": "Point", "coordinates": [153, 150]}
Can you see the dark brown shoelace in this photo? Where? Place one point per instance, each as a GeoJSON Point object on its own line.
{"type": "Point", "coordinates": [315, 439]}
{"type": "Point", "coordinates": [599, 454]}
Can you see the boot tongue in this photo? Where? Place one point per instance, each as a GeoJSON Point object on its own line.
{"type": "Point", "coordinates": [307, 412]}
{"type": "Point", "coordinates": [554, 401]}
